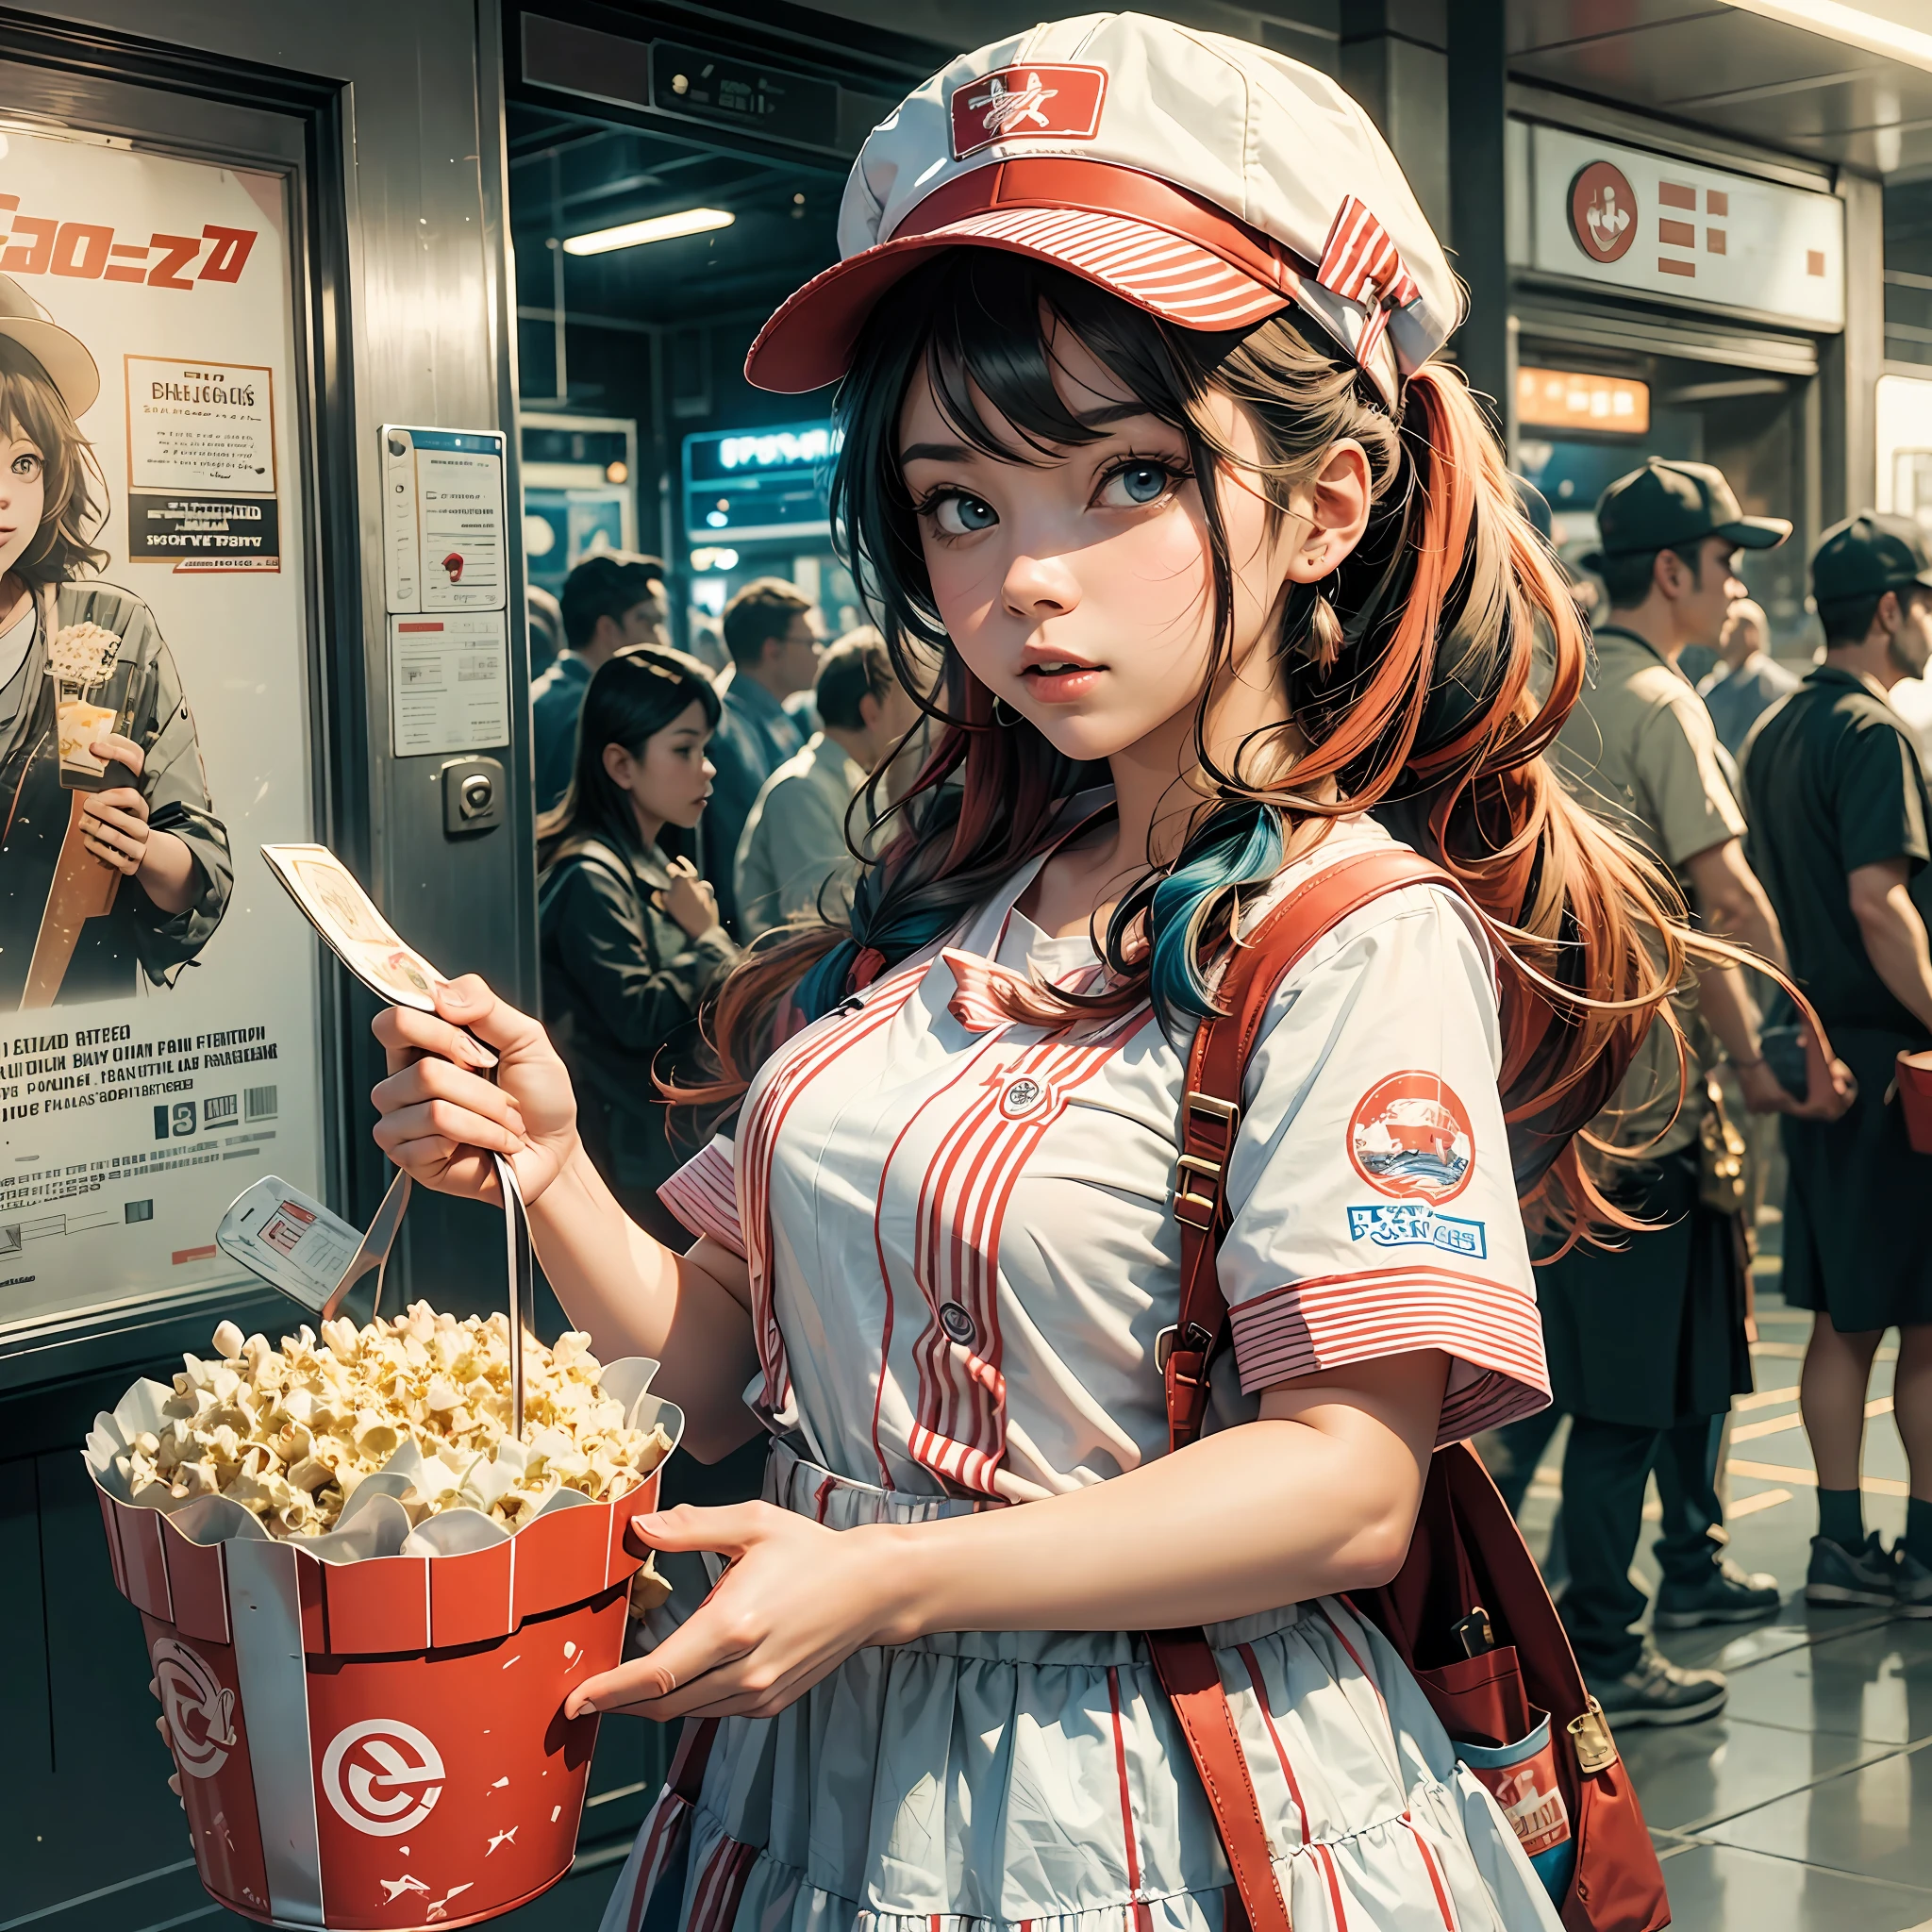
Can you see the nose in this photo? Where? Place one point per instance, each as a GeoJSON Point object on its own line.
{"type": "Point", "coordinates": [1039, 586]}
{"type": "Point", "coordinates": [1735, 587]}
{"type": "Point", "coordinates": [710, 770]}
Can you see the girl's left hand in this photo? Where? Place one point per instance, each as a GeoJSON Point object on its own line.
{"type": "Point", "coordinates": [113, 824]}
{"type": "Point", "coordinates": [797, 1600]}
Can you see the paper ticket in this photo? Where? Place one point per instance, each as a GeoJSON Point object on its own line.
{"type": "Point", "coordinates": [332, 900]}
{"type": "Point", "coordinates": [289, 1239]}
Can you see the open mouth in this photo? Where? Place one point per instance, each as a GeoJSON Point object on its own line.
{"type": "Point", "coordinates": [1060, 682]}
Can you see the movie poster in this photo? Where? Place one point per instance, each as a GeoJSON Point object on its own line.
{"type": "Point", "coordinates": [159, 1043]}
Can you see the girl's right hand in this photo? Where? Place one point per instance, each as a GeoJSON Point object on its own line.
{"type": "Point", "coordinates": [690, 899]}
{"type": "Point", "coordinates": [442, 1117]}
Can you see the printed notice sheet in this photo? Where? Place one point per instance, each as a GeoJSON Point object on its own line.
{"type": "Point", "coordinates": [442, 521]}
{"type": "Point", "coordinates": [448, 683]}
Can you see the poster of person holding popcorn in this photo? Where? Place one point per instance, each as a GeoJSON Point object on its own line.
{"type": "Point", "coordinates": [113, 866]}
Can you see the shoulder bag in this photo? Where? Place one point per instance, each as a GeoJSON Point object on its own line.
{"type": "Point", "coordinates": [1468, 1613]}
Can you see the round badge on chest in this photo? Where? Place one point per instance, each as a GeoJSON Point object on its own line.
{"type": "Point", "coordinates": [1023, 1097]}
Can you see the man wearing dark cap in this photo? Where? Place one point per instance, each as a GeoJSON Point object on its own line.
{"type": "Point", "coordinates": [1646, 1341]}
{"type": "Point", "coordinates": [608, 601]}
{"type": "Point", "coordinates": [1838, 813]}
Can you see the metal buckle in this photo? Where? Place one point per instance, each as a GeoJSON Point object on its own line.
{"type": "Point", "coordinates": [1215, 1109]}
{"type": "Point", "coordinates": [1204, 1206]}
{"type": "Point", "coordinates": [1590, 1736]}
{"type": "Point", "coordinates": [1164, 1343]}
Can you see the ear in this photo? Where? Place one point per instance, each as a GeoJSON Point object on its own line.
{"type": "Point", "coordinates": [619, 766]}
{"type": "Point", "coordinates": [869, 712]}
{"type": "Point", "coordinates": [1889, 616]}
{"type": "Point", "coordinates": [1337, 506]}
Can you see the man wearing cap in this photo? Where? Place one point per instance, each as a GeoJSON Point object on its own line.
{"type": "Point", "coordinates": [1646, 1341]}
{"type": "Point", "coordinates": [608, 601]}
{"type": "Point", "coordinates": [1838, 817]}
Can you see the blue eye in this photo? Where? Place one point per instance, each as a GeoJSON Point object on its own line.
{"type": "Point", "coordinates": [1136, 485]}
{"type": "Point", "coordinates": [957, 515]}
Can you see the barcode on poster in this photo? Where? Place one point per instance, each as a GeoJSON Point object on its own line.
{"type": "Point", "coordinates": [259, 1104]}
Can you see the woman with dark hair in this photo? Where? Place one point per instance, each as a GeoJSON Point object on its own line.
{"type": "Point", "coordinates": [629, 933]}
{"type": "Point", "coordinates": [113, 866]}
{"type": "Point", "coordinates": [1143, 432]}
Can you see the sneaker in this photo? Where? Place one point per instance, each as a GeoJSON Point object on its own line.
{"type": "Point", "coordinates": [1725, 1594]}
{"type": "Point", "coordinates": [1913, 1583]}
{"type": "Point", "coordinates": [1659, 1692]}
{"type": "Point", "coordinates": [1839, 1575]}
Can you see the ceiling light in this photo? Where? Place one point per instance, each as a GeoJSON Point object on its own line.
{"type": "Point", "coordinates": [690, 221]}
{"type": "Point", "coordinates": [1856, 26]}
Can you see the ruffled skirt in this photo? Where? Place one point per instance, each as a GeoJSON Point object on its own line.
{"type": "Point", "coordinates": [1038, 1782]}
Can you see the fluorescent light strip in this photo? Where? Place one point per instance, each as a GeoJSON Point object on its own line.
{"type": "Point", "coordinates": [690, 221]}
{"type": "Point", "coordinates": [1854, 25]}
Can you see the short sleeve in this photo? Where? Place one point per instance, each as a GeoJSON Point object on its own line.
{"type": "Point", "coordinates": [1371, 1188]}
{"type": "Point", "coordinates": [1687, 795]}
{"type": "Point", "coordinates": [703, 1194]}
{"type": "Point", "coordinates": [1879, 806]}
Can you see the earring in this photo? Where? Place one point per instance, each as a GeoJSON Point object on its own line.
{"type": "Point", "coordinates": [1324, 638]}
{"type": "Point", "coordinates": [1002, 713]}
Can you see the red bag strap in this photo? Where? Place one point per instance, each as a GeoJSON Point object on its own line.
{"type": "Point", "coordinates": [1211, 1105]}
{"type": "Point", "coordinates": [1192, 1679]}
{"type": "Point", "coordinates": [1211, 1118]}
{"type": "Point", "coordinates": [686, 1777]}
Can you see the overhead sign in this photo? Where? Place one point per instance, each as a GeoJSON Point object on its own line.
{"type": "Point", "coordinates": [1573, 399]}
{"type": "Point", "coordinates": [1668, 230]}
{"type": "Point", "coordinates": [737, 94]}
{"type": "Point", "coordinates": [749, 485]}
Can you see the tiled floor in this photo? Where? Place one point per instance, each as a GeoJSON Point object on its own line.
{"type": "Point", "coordinates": [1806, 1806]}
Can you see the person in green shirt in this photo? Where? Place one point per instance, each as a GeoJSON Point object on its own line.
{"type": "Point", "coordinates": [1837, 805]}
{"type": "Point", "coordinates": [1646, 1341]}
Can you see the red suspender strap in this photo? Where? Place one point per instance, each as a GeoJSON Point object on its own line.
{"type": "Point", "coordinates": [686, 1777]}
{"type": "Point", "coordinates": [1211, 1118]}
{"type": "Point", "coordinates": [1211, 1106]}
{"type": "Point", "coordinates": [1192, 1679]}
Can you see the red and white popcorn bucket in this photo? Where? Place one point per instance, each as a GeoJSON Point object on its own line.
{"type": "Point", "coordinates": [369, 1725]}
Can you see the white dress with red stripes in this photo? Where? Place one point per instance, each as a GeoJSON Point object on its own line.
{"type": "Point", "coordinates": [961, 1251]}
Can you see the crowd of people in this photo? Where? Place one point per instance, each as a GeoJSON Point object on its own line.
{"type": "Point", "coordinates": [1793, 812]}
{"type": "Point", "coordinates": [685, 811]}
{"type": "Point", "coordinates": [682, 812]}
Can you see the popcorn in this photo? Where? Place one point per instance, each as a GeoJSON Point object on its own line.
{"type": "Point", "coordinates": [291, 1433]}
{"type": "Point", "coordinates": [83, 654]}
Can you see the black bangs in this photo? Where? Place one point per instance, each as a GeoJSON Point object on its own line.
{"type": "Point", "coordinates": [980, 324]}
{"type": "Point", "coordinates": [989, 325]}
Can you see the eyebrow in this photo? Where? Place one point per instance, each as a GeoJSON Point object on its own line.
{"type": "Point", "coordinates": [1103, 418]}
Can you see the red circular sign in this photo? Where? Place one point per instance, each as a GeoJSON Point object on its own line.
{"type": "Point", "coordinates": [1410, 1137]}
{"type": "Point", "coordinates": [1603, 212]}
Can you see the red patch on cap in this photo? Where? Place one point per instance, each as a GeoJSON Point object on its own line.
{"type": "Point", "coordinates": [1027, 102]}
{"type": "Point", "coordinates": [1410, 1137]}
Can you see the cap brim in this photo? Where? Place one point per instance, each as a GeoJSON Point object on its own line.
{"type": "Point", "coordinates": [809, 341]}
{"type": "Point", "coordinates": [69, 366]}
{"type": "Point", "coordinates": [1755, 533]}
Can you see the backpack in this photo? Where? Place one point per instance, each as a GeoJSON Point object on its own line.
{"type": "Point", "coordinates": [1468, 1613]}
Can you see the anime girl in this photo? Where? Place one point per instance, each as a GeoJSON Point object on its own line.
{"type": "Point", "coordinates": [113, 863]}
{"type": "Point", "coordinates": [1142, 431]}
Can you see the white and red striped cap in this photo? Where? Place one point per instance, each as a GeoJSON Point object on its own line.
{"type": "Point", "coordinates": [1205, 180]}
